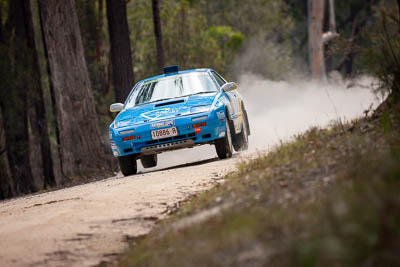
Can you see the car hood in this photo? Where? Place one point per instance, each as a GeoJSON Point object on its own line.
{"type": "Point", "coordinates": [163, 109]}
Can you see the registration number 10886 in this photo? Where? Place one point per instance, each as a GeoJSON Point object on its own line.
{"type": "Point", "coordinates": [164, 133]}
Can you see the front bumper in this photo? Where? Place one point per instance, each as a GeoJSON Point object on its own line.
{"type": "Point", "coordinates": [187, 137]}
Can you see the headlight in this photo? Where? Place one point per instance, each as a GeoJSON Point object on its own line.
{"type": "Point", "coordinates": [199, 109]}
{"type": "Point", "coordinates": [124, 123]}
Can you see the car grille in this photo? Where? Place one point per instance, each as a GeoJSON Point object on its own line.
{"type": "Point", "coordinates": [148, 150]}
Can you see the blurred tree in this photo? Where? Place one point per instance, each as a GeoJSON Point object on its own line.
{"type": "Point", "coordinates": [6, 183]}
{"type": "Point", "coordinates": [315, 43]}
{"type": "Point", "coordinates": [398, 8]}
{"type": "Point", "coordinates": [158, 35]}
{"type": "Point", "coordinates": [185, 37]}
{"type": "Point", "coordinates": [187, 41]}
{"type": "Point", "coordinates": [121, 57]}
{"type": "Point", "coordinates": [13, 99]}
{"type": "Point", "coordinates": [81, 147]}
{"type": "Point", "coordinates": [38, 117]}
{"type": "Point", "coordinates": [382, 57]}
{"type": "Point", "coordinates": [142, 38]}
{"type": "Point", "coordinates": [342, 53]}
{"type": "Point", "coordinates": [91, 23]}
{"type": "Point", "coordinates": [6, 187]}
{"type": "Point", "coordinates": [352, 18]}
{"type": "Point", "coordinates": [268, 45]}
{"type": "Point", "coordinates": [316, 37]}
{"type": "Point", "coordinates": [228, 40]}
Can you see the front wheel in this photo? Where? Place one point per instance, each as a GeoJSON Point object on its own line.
{"type": "Point", "coordinates": [128, 165]}
{"type": "Point", "coordinates": [223, 146]}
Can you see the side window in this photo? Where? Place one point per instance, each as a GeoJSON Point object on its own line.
{"type": "Point", "coordinates": [220, 81]}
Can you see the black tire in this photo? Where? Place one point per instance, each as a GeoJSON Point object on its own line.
{"type": "Point", "coordinates": [149, 161]}
{"type": "Point", "coordinates": [223, 146]}
{"type": "Point", "coordinates": [242, 139]}
{"type": "Point", "coordinates": [128, 165]}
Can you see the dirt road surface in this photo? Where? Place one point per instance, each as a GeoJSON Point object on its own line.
{"type": "Point", "coordinates": [87, 224]}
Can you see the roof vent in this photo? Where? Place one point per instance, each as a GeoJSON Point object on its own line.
{"type": "Point", "coordinates": [171, 69]}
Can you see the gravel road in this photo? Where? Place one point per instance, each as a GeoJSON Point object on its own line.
{"type": "Point", "coordinates": [87, 224]}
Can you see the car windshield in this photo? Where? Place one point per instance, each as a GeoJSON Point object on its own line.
{"type": "Point", "coordinates": [171, 87]}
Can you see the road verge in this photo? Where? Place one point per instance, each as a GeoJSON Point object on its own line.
{"type": "Point", "coordinates": [328, 197]}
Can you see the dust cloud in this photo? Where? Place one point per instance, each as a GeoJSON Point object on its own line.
{"type": "Point", "coordinates": [278, 110]}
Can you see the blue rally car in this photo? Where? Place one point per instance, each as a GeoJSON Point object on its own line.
{"type": "Point", "coordinates": [179, 109]}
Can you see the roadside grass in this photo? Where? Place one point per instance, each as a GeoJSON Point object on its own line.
{"type": "Point", "coordinates": [330, 197]}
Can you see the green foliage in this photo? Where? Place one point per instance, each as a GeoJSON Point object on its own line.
{"type": "Point", "coordinates": [342, 53]}
{"type": "Point", "coordinates": [217, 34]}
{"type": "Point", "coordinates": [227, 38]}
{"type": "Point", "coordinates": [250, 18]}
{"type": "Point", "coordinates": [142, 38]}
{"type": "Point", "coordinates": [266, 37]}
{"type": "Point", "coordinates": [266, 48]}
{"type": "Point", "coordinates": [186, 39]}
{"type": "Point", "coordinates": [352, 18]}
{"type": "Point", "coordinates": [382, 57]}
{"type": "Point", "coordinates": [385, 121]}
{"type": "Point", "coordinates": [3, 9]}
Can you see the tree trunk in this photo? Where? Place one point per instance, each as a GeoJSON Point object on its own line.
{"type": "Point", "coordinates": [14, 109]}
{"type": "Point", "coordinates": [398, 9]}
{"type": "Point", "coordinates": [92, 38]}
{"type": "Point", "coordinates": [1, 23]}
{"type": "Point", "coordinates": [100, 20]}
{"type": "Point", "coordinates": [36, 94]}
{"type": "Point", "coordinates": [101, 58]}
{"type": "Point", "coordinates": [6, 183]}
{"type": "Point", "coordinates": [52, 92]}
{"type": "Point", "coordinates": [315, 41]}
{"type": "Point", "coordinates": [316, 37]}
{"type": "Point", "coordinates": [121, 57]}
{"type": "Point", "coordinates": [17, 142]}
{"type": "Point", "coordinates": [81, 147]}
{"type": "Point", "coordinates": [158, 35]}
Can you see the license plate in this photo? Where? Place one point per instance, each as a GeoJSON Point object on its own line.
{"type": "Point", "coordinates": [163, 133]}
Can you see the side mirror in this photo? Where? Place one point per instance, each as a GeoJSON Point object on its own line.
{"type": "Point", "coordinates": [229, 86]}
{"type": "Point", "coordinates": [117, 107]}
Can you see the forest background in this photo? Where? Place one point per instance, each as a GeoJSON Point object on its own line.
{"type": "Point", "coordinates": [62, 63]}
